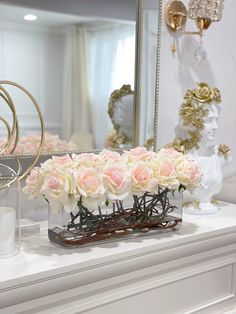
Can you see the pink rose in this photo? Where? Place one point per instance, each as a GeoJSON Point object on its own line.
{"type": "Point", "coordinates": [116, 180]}
{"type": "Point", "coordinates": [138, 153]}
{"type": "Point", "coordinates": [189, 174]}
{"type": "Point", "coordinates": [171, 153]}
{"type": "Point", "coordinates": [88, 160]}
{"type": "Point", "coordinates": [109, 155]}
{"type": "Point", "coordinates": [90, 185]}
{"type": "Point", "coordinates": [58, 188]}
{"type": "Point", "coordinates": [141, 176]}
{"type": "Point", "coordinates": [33, 183]}
{"type": "Point", "coordinates": [166, 169]}
{"type": "Point", "coordinates": [58, 162]}
{"type": "Point", "coordinates": [164, 174]}
{"type": "Point", "coordinates": [53, 183]}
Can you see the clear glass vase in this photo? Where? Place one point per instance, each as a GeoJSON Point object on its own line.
{"type": "Point", "coordinates": [9, 212]}
{"type": "Point", "coordinates": [130, 218]}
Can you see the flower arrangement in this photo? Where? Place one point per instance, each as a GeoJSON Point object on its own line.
{"type": "Point", "coordinates": [91, 181]}
{"type": "Point", "coordinates": [29, 144]}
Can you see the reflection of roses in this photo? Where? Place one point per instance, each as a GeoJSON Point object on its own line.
{"type": "Point", "coordinates": [203, 93]}
{"type": "Point", "coordinates": [29, 144]}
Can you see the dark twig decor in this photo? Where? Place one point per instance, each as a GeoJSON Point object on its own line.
{"type": "Point", "coordinates": [149, 211]}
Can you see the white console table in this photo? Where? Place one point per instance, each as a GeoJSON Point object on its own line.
{"type": "Point", "coordinates": [191, 270]}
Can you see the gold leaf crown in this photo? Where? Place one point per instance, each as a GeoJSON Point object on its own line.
{"type": "Point", "coordinates": [193, 112]}
{"type": "Point", "coordinates": [204, 94]}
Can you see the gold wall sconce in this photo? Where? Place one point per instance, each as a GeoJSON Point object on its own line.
{"type": "Point", "coordinates": [204, 12]}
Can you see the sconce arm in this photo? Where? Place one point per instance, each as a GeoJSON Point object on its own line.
{"type": "Point", "coordinates": [200, 33]}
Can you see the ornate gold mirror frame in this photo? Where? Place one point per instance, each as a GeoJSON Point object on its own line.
{"type": "Point", "coordinates": [28, 160]}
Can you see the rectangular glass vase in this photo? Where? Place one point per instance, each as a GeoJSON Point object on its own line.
{"type": "Point", "coordinates": [133, 217]}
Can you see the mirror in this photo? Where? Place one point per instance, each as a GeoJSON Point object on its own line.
{"type": "Point", "coordinates": [71, 57]}
{"type": "Point", "coordinates": [146, 65]}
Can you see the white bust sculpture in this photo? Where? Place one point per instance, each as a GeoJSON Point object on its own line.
{"type": "Point", "coordinates": [195, 135]}
{"type": "Point", "coordinates": [123, 115]}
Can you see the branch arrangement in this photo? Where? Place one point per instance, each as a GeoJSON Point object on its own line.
{"type": "Point", "coordinates": [149, 211]}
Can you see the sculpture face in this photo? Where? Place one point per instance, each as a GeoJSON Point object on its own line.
{"type": "Point", "coordinates": [211, 125]}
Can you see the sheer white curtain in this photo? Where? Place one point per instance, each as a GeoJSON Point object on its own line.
{"type": "Point", "coordinates": [76, 109]}
{"type": "Point", "coordinates": [112, 61]}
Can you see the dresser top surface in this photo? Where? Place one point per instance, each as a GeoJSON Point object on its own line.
{"type": "Point", "coordinates": [39, 258]}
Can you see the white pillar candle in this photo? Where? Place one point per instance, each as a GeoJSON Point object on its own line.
{"type": "Point", "coordinates": [7, 230]}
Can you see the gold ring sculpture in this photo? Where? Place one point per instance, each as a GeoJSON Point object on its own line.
{"type": "Point", "coordinates": [13, 131]}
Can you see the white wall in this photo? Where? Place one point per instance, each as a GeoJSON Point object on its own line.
{"type": "Point", "coordinates": [182, 71]}
{"type": "Point", "coordinates": [33, 57]}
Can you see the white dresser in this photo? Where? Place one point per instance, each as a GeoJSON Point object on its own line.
{"type": "Point", "coordinates": [192, 270]}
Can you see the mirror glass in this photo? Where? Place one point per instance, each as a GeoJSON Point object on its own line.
{"type": "Point", "coordinates": [71, 56]}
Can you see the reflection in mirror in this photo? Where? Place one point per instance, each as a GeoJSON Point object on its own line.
{"type": "Point", "coordinates": [120, 110]}
{"type": "Point", "coordinates": [71, 64]}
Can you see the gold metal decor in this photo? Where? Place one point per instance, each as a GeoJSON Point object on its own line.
{"type": "Point", "coordinates": [13, 130]}
{"type": "Point", "coordinates": [175, 17]}
{"type": "Point", "coordinates": [223, 150]}
{"type": "Point", "coordinates": [193, 112]}
{"type": "Point", "coordinates": [204, 12]}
